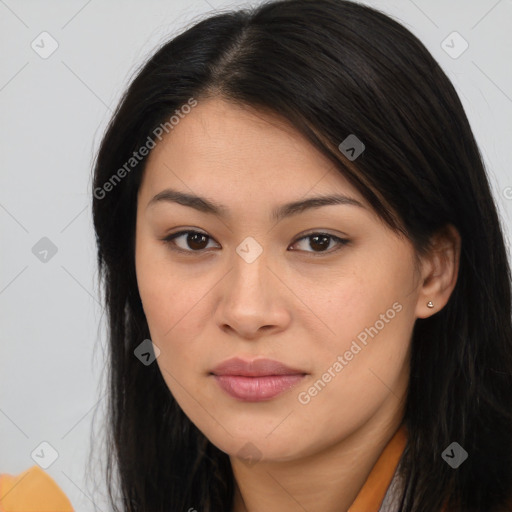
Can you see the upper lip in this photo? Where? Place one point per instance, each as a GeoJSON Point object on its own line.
{"type": "Point", "coordinates": [255, 368]}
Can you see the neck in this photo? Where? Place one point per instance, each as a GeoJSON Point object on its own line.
{"type": "Point", "coordinates": [328, 480]}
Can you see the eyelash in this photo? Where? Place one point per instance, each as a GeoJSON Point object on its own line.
{"type": "Point", "coordinates": [169, 240]}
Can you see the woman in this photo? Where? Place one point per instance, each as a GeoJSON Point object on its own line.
{"type": "Point", "coordinates": [306, 280]}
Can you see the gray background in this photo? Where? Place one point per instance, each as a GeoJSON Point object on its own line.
{"type": "Point", "coordinates": [54, 112]}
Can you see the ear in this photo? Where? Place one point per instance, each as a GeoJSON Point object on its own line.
{"type": "Point", "coordinates": [439, 271]}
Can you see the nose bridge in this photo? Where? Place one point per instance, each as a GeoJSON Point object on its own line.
{"type": "Point", "coordinates": [249, 301]}
{"type": "Point", "coordinates": [249, 269]}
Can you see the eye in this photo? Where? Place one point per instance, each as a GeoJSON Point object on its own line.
{"type": "Point", "coordinates": [195, 240]}
{"type": "Point", "coordinates": [320, 242]}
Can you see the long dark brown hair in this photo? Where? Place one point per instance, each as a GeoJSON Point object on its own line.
{"type": "Point", "coordinates": [331, 68]}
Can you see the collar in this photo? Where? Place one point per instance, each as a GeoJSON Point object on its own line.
{"type": "Point", "coordinates": [374, 489]}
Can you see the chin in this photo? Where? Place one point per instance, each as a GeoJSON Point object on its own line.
{"type": "Point", "coordinates": [256, 447]}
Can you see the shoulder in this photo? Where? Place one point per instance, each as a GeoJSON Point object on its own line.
{"type": "Point", "coordinates": [32, 490]}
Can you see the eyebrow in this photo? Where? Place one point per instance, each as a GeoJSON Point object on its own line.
{"type": "Point", "coordinates": [286, 210]}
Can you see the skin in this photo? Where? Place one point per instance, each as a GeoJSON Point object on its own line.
{"type": "Point", "coordinates": [296, 303]}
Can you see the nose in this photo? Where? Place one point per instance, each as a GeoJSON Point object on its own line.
{"type": "Point", "coordinates": [253, 299]}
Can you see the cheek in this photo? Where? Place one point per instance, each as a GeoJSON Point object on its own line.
{"type": "Point", "coordinates": [162, 287]}
{"type": "Point", "coordinates": [356, 300]}
{"type": "Point", "coordinates": [175, 309]}
{"type": "Point", "coordinates": [156, 294]}
{"type": "Point", "coordinates": [370, 314]}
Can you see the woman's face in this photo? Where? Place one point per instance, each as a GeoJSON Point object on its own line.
{"type": "Point", "coordinates": [338, 314]}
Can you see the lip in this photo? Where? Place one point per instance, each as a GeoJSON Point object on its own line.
{"type": "Point", "coordinates": [257, 380]}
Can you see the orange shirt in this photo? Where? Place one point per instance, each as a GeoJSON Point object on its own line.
{"type": "Point", "coordinates": [35, 491]}
{"type": "Point", "coordinates": [372, 493]}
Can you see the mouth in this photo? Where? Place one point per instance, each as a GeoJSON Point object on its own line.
{"type": "Point", "coordinates": [257, 380]}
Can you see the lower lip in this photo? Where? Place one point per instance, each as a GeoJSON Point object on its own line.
{"type": "Point", "coordinates": [256, 389]}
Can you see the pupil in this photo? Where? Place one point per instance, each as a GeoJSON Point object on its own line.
{"type": "Point", "coordinates": [195, 238]}
{"type": "Point", "coordinates": [322, 245]}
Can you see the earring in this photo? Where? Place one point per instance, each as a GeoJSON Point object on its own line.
{"type": "Point", "coordinates": [430, 304]}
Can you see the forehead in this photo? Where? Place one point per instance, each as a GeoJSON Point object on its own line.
{"type": "Point", "coordinates": [221, 148]}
